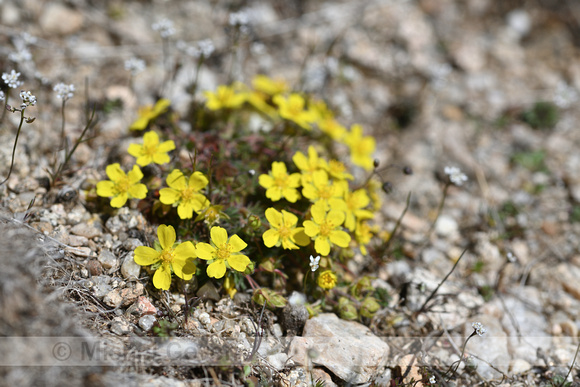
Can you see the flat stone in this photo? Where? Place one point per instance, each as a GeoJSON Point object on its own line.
{"type": "Point", "coordinates": [120, 326]}
{"type": "Point", "coordinates": [129, 268]}
{"type": "Point", "coordinates": [86, 230]}
{"type": "Point", "coordinates": [113, 298]}
{"type": "Point", "coordinates": [346, 348]}
{"type": "Point", "coordinates": [107, 259]}
{"type": "Point", "coordinates": [146, 322]}
{"type": "Point", "coordinates": [130, 294]}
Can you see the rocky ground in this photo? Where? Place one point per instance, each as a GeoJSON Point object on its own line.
{"type": "Point", "coordinates": [488, 86]}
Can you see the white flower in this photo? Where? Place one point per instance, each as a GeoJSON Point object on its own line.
{"type": "Point", "coordinates": [206, 47]}
{"type": "Point", "coordinates": [314, 261]}
{"type": "Point", "coordinates": [252, 172]}
{"type": "Point", "coordinates": [164, 27]}
{"type": "Point", "coordinates": [27, 99]}
{"type": "Point", "coordinates": [22, 55]}
{"type": "Point", "coordinates": [63, 91]}
{"type": "Point", "coordinates": [2, 96]}
{"type": "Point", "coordinates": [135, 65]}
{"type": "Point", "coordinates": [432, 380]}
{"type": "Point", "coordinates": [479, 328]}
{"type": "Point", "coordinates": [239, 18]}
{"type": "Point", "coordinates": [455, 175]}
{"type": "Point", "coordinates": [11, 79]}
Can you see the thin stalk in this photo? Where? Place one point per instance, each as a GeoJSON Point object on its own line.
{"type": "Point", "coordinates": [398, 221]}
{"type": "Point", "coordinates": [14, 147]}
{"type": "Point", "coordinates": [571, 367]}
{"type": "Point", "coordinates": [424, 306]}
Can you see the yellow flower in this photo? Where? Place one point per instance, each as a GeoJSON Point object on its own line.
{"type": "Point", "coordinates": [184, 193]}
{"type": "Point", "coordinates": [337, 170]}
{"type": "Point", "coordinates": [308, 165]}
{"type": "Point", "coordinates": [224, 98]}
{"type": "Point", "coordinates": [361, 148]}
{"type": "Point", "coordinates": [122, 186]}
{"type": "Point", "coordinates": [211, 213]}
{"type": "Point", "coordinates": [363, 235]}
{"type": "Point", "coordinates": [268, 85]}
{"type": "Point", "coordinates": [167, 258]}
{"type": "Point", "coordinates": [149, 113]}
{"type": "Point", "coordinates": [375, 188]}
{"type": "Point", "coordinates": [223, 252]}
{"type": "Point", "coordinates": [324, 228]}
{"type": "Point", "coordinates": [279, 184]}
{"type": "Point", "coordinates": [284, 231]}
{"type": "Point", "coordinates": [322, 190]}
{"type": "Point", "coordinates": [353, 205]}
{"type": "Point", "coordinates": [151, 151]}
{"type": "Point", "coordinates": [292, 109]}
{"type": "Point", "coordinates": [327, 280]}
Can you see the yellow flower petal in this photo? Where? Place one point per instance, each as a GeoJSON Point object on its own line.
{"type": "Point", "coordinates": [105, 188]}
{"type": "Point", "coordinates": [237, 244]}
{"type": "Point", "coordinates": [135, 175]}
{"type": "Point", "coordinates": [197, 181]}
{"type": "Point", "coordinates": [138, 191]}
{"type": "Point", "coordinates": [162, 277]}
{"type": "Point", "coordinates": [114, 172]}
{"type": "Point", "coordinates": [335, 217]}
{"type": "Point", "coordinates": [301, 238]}
{"type": "Point", "coordinates": [310, 228]}
{"type": "Point", "coordinates": [166, 146]}
{"type": "Point", "coordinates": [266, 181]}
{"type": "Point", "coordinates": [238, 262]}
{"type": "Point", "coordinates": [151, 138]}
{"type": "Point", "coordinates": [339, 238]}
{"type": "Point", "coordinates": [291, 194]}
{"type": "Point", "coordinates": [274, 217]}
{"type": "Point", "coordinates": [205, 251]}
{"type": "Point", "coordinates": [176, 180]}
{"type": "Point", "coordinates": [217, 269]}
{"type": "Point", "coordinates": [185, 211]}
{"type": "Point", "coordinates": [290, 219]}
{"type": "Point", "coordinates": [322, 246]}
{"type": "Point", "coordinates": [146, 256]}
{"type": "Point", "coordinates": [270, 237]}
{"type": "Point", "coordinates": [166, 235]}
{"type": "Point", "coordinates": [219, 236]}
{"type": "Point", "coordinates": [185, 250]}
{"type": "Point", "coordinates": [318, 211]}
{"type": "Point", "coordinates": [120, 200]}
{"type": "Point", "coordinates": [168, 195]}
{"type": "Point", "coordinates": [184, 268]}
{"type": "Point", "coordinates": [135, 150]}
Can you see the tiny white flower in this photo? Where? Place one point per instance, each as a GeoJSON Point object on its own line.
{"type": "Point", "coordinates": [11, 79]}
{"type": "Point", "coordinates": [455, 175]}
{"type": "Point", "coordinates": [20, 56]}
{"type": "Point", "coordinates": [432, 380]}
{"type": "Point", "coordinates": [2, 96]}
{"type": "Point", "coordinates": [164, 27]}
{"type": "Point", "coordinates": [240, 18]}
{"type": "Point", "coordinates": [479, 328]}
{"type": "Point", "coordinates": [511, 257]}
{"type": "Point", "coordinates": [64, 91]}
{"type": "Point", "coordinates": [135, 65]}
{"type": "Point", "coordinates": [27, 99]}
{"type": "Point", "coordinates": [314, 261]}
{"type": "Point", "coordinates": [206, 47]}
{"type": "Point", "coordinates": [252, 172]}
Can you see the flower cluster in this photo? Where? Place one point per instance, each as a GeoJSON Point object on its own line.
{"type": "Point", "coordinates": [27, 99]}
{"type": "Point", "coordinates": [455, 175]}
{"type": "Point", "coordinates": [135, 65]}
{"type": "Point", "coordinates": [12, 79]}
{"type": "Point", "coordinates": [64, 91]}
{"type": "Point", "coordinates": [479, 329]}
{"type": "Point", "coordinates": [169, 257]}
{"type": "Point", "coordinates": [164, 27]}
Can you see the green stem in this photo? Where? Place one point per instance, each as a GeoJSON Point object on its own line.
{"type": "Point", "coordinates": [14, 147]}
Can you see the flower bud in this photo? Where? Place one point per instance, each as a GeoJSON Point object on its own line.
{"type": "Point", "coordinates": [347, 309]}
{"type": "Point", "coordinates": [369, 307]}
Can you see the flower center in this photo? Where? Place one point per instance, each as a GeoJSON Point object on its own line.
{"type": "Point", "coordinates": [122, 185]}
{"type": "Point", "coordinates": [167, 255]}
{"type": "Point", "coordinates": [280, 180]}
{"type": "Point", "coordinates": [326, 192]}
{"type": "Point", "coordinates": [224, 251]}
{"type": "Point", "coordinates": [284, 232]}
{"type": "Point", "coordinates": [187, 194]}
{"type": "Point", "coordinates": [149, 149]}
{"type": "Point", "coordinates": [326, 228]}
